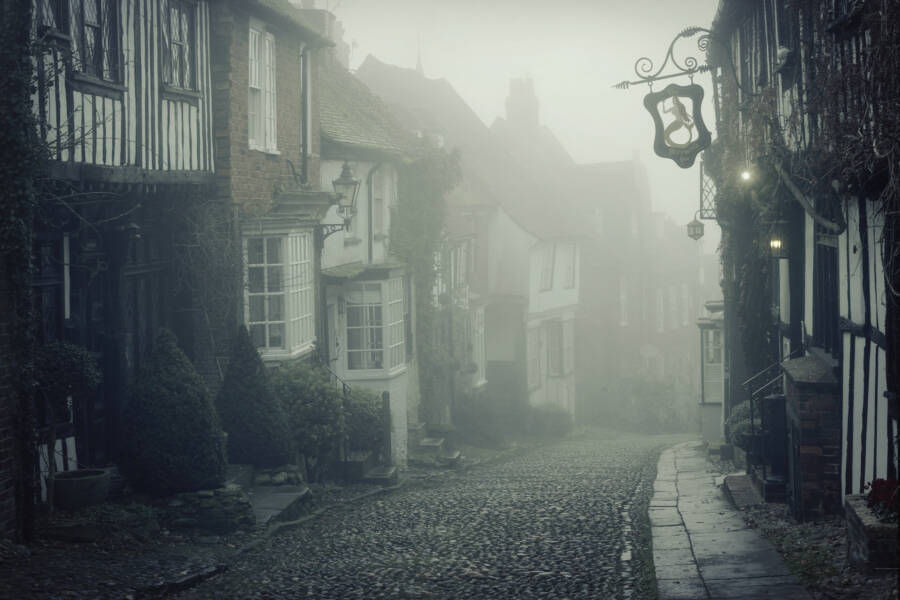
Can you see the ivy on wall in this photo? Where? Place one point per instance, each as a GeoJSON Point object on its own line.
{"type": "Point", "coordinates": [22, 160]}
{"type": "Point", "coordinates": [416, 237]}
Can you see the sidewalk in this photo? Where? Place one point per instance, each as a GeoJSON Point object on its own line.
{"type": "Point", "coordinates": [702, 548]}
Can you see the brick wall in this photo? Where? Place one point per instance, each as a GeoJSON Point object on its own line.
{"type": "Point", "coordinates": [248, 177]}
{"type": "Point", "coordinates": [7, 419]}
{"type": "Point", "coordinates": [814, 414]}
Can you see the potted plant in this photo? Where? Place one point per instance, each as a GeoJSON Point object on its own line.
{"type": "Point", "coordinates": [65, 374]}
{"type": "Point", "coordinates": [872, 524]}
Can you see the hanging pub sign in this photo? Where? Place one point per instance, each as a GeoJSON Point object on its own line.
{"type": "Point", "coordinates": [680, 133]}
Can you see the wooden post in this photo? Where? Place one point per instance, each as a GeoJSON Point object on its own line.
{"type": "Point", "coordinates": [386, 414]}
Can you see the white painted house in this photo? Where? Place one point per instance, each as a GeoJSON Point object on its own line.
{"type": "Point", "coordinates": [367, 293]}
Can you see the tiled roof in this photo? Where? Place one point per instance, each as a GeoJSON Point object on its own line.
{"type": "Point", "coordinates": [351, 115]}
{"type": "Point", "coordinates": [296, 18]}
{"type": "Point", "coordinates": [491, 174]}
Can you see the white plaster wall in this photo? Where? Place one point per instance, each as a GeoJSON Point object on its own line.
{"type": "Point", "coordinates": [558, 296]}
{"type": "Point", "coordinates": [508, 249]}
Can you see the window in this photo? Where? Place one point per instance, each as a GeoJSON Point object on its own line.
{"type": "Point", "coordinates": [660, 311]}
{"type": "Point", "coordinates": [279, 297]}
{"type": "Point", "coordinates": [571, 264]}
{"type": "Point", "coordinates": [261, 106]}
{"type": "Point", "coordinates": [477, 341]}
{"type": "Point", "coordinates": [378, 203]}
{"type": "Point", "coordinates": [549, 257]}
{"type": "Point", "coordinates": [369, 334]}
{"type": "Point", "coordinates": [568, 346]}
{"type": "Point", "coordinates": [554, 348]}
{"type": "Point", "coordinates": [178, 47]}
{"type": "Point", "coordinates": [55, 14]}
{"type": "Point", "coordinates": [534, 360]}
{"type": "Point", "coordinates": [713, 339]}
{"type": "Point", "coordinates": [95, 40]}
{"type": "Point", "coordinates": [673, 307]}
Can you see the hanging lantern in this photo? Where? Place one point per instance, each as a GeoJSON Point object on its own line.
{"type": "Point", "coordinates": [695, 229]}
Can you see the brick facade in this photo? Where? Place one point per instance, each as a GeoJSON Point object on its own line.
{"type": "Point", "coordinates": [813, 407]}
{"type": "Point", "coordinates": [248, 177]}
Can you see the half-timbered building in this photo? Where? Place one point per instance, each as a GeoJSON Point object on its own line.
{"type": "Point", "coordinates": [124, 108]}
{"type": "Point", "coordinates": [801, 110]}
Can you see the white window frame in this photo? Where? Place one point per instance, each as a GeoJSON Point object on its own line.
{"type": "Point", "coordinates": [381, 345]}
{"type": "Point", "coordinates": [547, 265]}
{"type": "Point", "coordinates": [262, 105]}
{"type": "Point", "coordinates": [555, 352]}
{"type": "Point", "coordinates": [297, 293]}
{"type": "Point", "coordinates": [533, 350]}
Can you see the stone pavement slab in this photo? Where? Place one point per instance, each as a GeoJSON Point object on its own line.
{"type": "Point", "coordinates": [702, 549]}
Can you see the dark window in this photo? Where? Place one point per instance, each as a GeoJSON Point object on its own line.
{"type": "Point", "coordinates": [95, 38]}
{"type": "Point", "coordinates": [55, 14]}
{"type": "Point", "coordinates": [178, 46]}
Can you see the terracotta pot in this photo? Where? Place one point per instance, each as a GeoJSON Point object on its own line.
{"type": "Point", "coordinates": [79, 488]}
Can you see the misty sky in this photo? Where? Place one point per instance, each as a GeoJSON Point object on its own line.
{"type": "Point", "coordinates": [573, 49]}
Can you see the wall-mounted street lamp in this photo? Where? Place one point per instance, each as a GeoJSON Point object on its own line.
{"type": "Point", "coordinates": [346, 187]}
{"type": "Point", "coordinates": [778, 240]}
{"type": "Point", "coordinates": [695, 228]}
{"type": "Point", "coordinates": [746, 175]}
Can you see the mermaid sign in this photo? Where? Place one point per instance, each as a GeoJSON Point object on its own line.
{"type": "Point", "coordinates": [680, 132]}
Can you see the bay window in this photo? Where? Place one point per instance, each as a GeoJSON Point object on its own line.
{"type": "Point", "coordinates": [279, 292]}
{"type": "Point", "coordinates": [375, 325]}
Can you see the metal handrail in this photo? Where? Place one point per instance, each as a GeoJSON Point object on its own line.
{"type": "Point", "coordinates": [756, 376]}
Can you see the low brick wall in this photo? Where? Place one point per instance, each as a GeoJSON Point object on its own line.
{"type": "Point", "coordinates": [872, 543]}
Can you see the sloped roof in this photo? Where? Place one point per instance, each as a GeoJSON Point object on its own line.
{"type": "Point", "coordinates": [491, 175]}
{"type": "Point", "coordinates": [352, 116]}
{"type": "Point", "coordinates": [296, 18]}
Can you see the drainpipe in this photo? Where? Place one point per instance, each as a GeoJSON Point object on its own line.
{"type": "Point", "coordinates": [370, 203]}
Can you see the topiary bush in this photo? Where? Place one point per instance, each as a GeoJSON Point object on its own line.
{"type": "Point", "coordinates": [315, 416]}
{"type": "Point", "coordinates": [254, 418]}
{"type": "Point", "coordinates": [364, 421]}
{"type": "Point", "coordinates": [171, 437]}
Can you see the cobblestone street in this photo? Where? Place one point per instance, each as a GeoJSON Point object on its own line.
{"type": "Point", "coordinates": [565, 520]}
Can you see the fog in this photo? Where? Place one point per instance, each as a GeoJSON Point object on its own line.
{"type": "Point", "coordinates": [574, 50]}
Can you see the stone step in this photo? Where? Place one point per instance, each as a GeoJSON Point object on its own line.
{"type": "Point", "coordinates": [278, 503]}
{"type": "Point", "coordinates": [431, 445]}
{"type": "Point", "coordinates": [450, 459]}
{"type": "Point", "coordinates": [382, 475]}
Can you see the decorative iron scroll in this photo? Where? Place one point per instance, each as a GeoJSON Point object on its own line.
{"type": "Point", "coordinates": [683, 135]}
{"type": "Point", "coordinates": [689, 65]}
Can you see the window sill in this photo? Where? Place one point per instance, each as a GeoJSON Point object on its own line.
{"type": "Point", "coordinates": [268, 151]}
{"type": "Point", "coordinates": [362, 374]}
{"type": "Point", "coordinates": [352, 241]}
{"type": "Point", "coordinates": [273, 357]}
{"type": "Point", "coordinates": [93, 85]}
{"type": "Point", "coordinates": [180, 94]}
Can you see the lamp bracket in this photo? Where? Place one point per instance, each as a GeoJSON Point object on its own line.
{"type": "Point", "coordinates": [689, 66]}
{"type": "Point", "coordinates": [329, 228]}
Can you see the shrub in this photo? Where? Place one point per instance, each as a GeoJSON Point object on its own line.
{"type": "Point", "coordinates": [171, 438]}
{"type": "Point", "coordinates": [737, 425]}
{"type": "Point", "coordinates": [62, 369]}
{"type": "Point", "coordinates": [254, 418]}
{"type": "Point", "coordinates": [314, 414]}
{"type": "Point", "coordinates": [364, 420]}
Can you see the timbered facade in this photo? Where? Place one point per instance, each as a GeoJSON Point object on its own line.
{"type": "Point", "coordinates": [802, 77]}
{"type": "Point", "coordinates": [124, 107]}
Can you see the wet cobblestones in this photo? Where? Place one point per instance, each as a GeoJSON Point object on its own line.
{"type": "Point", "coordinates": [560, 521]}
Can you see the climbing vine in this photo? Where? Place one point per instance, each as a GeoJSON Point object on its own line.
{"type": "Point", "coordinates": [416, 238]}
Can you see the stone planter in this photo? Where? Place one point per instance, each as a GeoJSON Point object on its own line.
{"type": "Point", "coordinates": [872, 543]}
{"type": "Point", "coordinates": [80, 488]}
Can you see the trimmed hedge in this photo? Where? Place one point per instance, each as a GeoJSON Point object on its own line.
{"type": "Point", "coordinates": [364, 421]}
{"type": "Point", "coordinates": [251, 414]}
{"type": "Point", "coordinates": [314, 413]}
{"type": "Point", "coordinates": [171, 438]}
